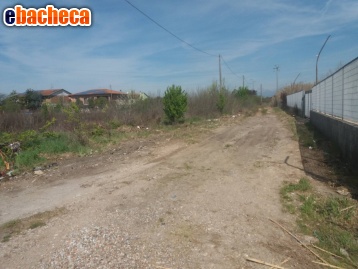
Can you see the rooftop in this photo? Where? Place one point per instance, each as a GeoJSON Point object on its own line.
{"type": "Point", "coordinates": [99, 92]}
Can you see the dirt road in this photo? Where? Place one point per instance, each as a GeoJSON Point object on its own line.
{"type": "Point", "coordinates": [164, 204]}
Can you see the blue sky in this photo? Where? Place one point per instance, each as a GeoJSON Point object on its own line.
{"type": "Point", "coordinates": [126, 51]}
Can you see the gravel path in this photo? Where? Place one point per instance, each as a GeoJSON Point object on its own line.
{"type": "Point", "coordinates": [176, 205]}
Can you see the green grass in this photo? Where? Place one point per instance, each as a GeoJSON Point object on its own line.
{"type": "Point", "coordinates": [28, 159]}
{"type": "Point", "coordinates": [56, 145]}
{"type": "Point", "coordinates": [36, 224]}
{"type": "Point", "coordinates": [6, 238]}
{"type": "Point", "coordinates": [302, 185]}
{"type": "Point", "coordinates": [289, 190]}
{"type": "Point", "coordinates": [306, 135]}
{"type": "Point", "coordinates": [19, 226]}
{"type": "Point", "coordinates": [333, 220]}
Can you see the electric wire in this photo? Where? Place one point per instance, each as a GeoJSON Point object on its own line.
{"type": "Point", "coordinates": [180, 39]}
{"type": "Point", "coordinates": [171, 33]}
{"type": "Point", "coordinates": [229, 67]}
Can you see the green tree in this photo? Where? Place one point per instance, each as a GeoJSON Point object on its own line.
{"type": "Point", "coordinates": [175, 103]}
{"type": "Point", "coordinates": [242, 92]}
{"type": "Point", "coordinates": [221, 102]}
{"type": "Point", "coordinates": [91, 103]}
{"type": "Point", "coordinates": [2, 98]}
{"type": "Point", "coordinates": [33, 99]}
{"type": "Point", "coordinates": [12, 102]}
{"type": "Point", "coordinates": [101, 102]}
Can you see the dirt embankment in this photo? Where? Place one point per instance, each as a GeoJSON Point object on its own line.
{"type": "Point", "coordinates": [164, 204]}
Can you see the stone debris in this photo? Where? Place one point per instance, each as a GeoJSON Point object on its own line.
{"type": "Point", "coordinates": [38, 172]}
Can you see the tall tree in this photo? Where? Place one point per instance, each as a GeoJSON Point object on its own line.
{"type": "Point", "coordinates": [12, 102]}
{"type": "Point", "coordinates": [33, 99]}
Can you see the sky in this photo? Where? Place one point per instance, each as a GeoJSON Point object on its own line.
{"type": "Point", "coordinates": [124, 50]}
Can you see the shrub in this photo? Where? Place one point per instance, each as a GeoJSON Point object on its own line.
{"type": "Point", "coordinates": [175, 104]}
{"type": "Point", "coordinates": [221, 103]}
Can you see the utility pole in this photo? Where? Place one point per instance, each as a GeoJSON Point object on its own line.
{"type": "Point", "coordinates": [243, 82]}
{"type": "Point", "coordinates": [261, 92]}
{"type": "Point", "coordinates": [319, 53]}
{"type": "Point", "coordinates": [220, 72]}
{"type": "Point", "coordinates": [277, 69]}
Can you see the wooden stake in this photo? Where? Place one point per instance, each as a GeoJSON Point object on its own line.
{"type": "Point", "coordinates": [327, 265]}
{"type": "Point", "coordinates": [264, 263]}
{"type": "Point", "coordinates": [282, 263]}
{"type": "Point", "coordinates": [299, 241]}
{"type": "Point", "coordinates": [349, 207]}
{"type": "Point", "coordinates": [330, 253]}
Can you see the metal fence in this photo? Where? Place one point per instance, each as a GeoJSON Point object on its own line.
{"type": "Point", "coordinates": [308, 103]}
{"type": "Point", "coordinates": [295, 100]}
{"type": "Point", "coordinates": [337, 95]}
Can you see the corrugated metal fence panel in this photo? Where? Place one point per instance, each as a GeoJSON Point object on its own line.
{"type": "Point", "coordinates": [322, 91]}
{"type": "Point", "coordinates": [308, 97]}
{"type": "Point", "coordinates": [350, 96]}
{"type": "Point", "coordinates": [337, 94]}
{"type": "Point", "coordinates": [295, 100]}
{"type": "Point", "coordinates": [314, 98]}
{"type": "Point", "coordinates": [328, 106]}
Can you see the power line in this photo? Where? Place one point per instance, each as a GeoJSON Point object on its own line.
{"type": "Point", "coordinates": [165, 29]}
{"type": "Point", "coordinates": [180, 39]}
{"type": "Point", "coordinates": [229, 67]}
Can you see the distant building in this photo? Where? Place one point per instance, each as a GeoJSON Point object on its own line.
{"type": "Point", "coordinates": [110, 95]}
{"type": "Point", "coordinates": [133, 96]}
{"type": "Point", "coordinates": [55, 96]}
{"type": "Point", "coordinates": [52, 96]}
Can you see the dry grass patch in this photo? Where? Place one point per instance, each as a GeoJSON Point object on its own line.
{"type": "Point", "coordinates": [333, 220]}
{"type": "Point", "coordinates": [18, 226]}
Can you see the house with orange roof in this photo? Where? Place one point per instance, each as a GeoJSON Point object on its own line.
{"type": "Point", "coordinates": [110, 95]}
{"type": "Point", "coordinates": [55, 96]}
{"type": "Point", "coordinates": [52, 96]}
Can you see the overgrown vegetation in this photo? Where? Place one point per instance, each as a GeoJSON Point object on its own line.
{"type": "Point", "coordinates": [61, 128]}
{"type": "Point", "coordinates": [280, 97]}
{"type": "Point", "coordinates": [333, 220]}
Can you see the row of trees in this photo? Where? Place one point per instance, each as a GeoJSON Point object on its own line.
{"type": "Point", "coordinates": [175, 100]}
{"type": "Point", "coordinates": [14, 102]}
{"type": "Point", "coordinates": [33, 101]}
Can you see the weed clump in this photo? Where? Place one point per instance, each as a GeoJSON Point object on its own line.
{"type": "Point", "coordinates": [332, 220]}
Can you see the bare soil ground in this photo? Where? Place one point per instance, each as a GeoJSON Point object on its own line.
{"type": "Point", "coordinates": [164, 202]}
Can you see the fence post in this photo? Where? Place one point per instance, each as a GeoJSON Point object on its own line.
{"type": "Point", "coordinates": [325, 97]}
{"type": "Point", "coordinates": [332, 93]}
{"type": "Point", "coordinates": [343, 93]}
